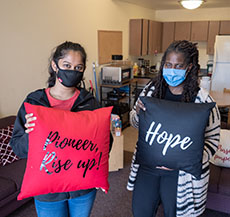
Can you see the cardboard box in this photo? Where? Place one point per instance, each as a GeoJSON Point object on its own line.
{"type": "Point", "coordinates": [116, 159]}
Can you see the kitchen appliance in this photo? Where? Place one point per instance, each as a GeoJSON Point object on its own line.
{"type": "Point", "coordinates": [205, 83]}
{"type": "Point", "coordinates": [209, 67]}
{"type": "Point", "coordinates": [221, 64]}
{"type": "Point", "coordinates": [140, 62]}
{"type": "Point", "coordinates": [122, 110]}
{"type": "Point", "coordinates": [116, 74]}
{"type": "Point", "coordinates": [158, 66]}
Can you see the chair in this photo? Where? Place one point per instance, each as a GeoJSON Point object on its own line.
{"type": "Point", "coordinates": [219, 181]}
{"type": "Point", "coordinates": [225, 114]}
{"type": "Point", "coordinates": [218, 197]}
{"type": "Point", "coordinates": [226, 90]}
{"type": "Point", "coordinates": [228, 121]}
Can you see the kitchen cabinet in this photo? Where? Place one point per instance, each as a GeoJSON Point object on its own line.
{"type": "Point", "coordinates": [168, 32]}
{"type": "Point", "coordinates": [225, 27]}
{"type": "Point", "coordinates": [145, 27]}
{"type": "Point", "coordinates": [155, 37]}
{"type": "Point", "coordinates": [138, 37]}
{"type": "Point", "coordinates": [214, 27]}
{"type": "Point", "coordinates": [109, 43]}
{"type": "Point", "coordinates": [199, 31]}
{"type": "Point", "coordinates": [150, 37]}
{"type": "Point", "coordinates": [182, 31]}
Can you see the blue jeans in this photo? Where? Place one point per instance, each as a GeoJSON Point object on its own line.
{"type": "Point", "coordinates": [76, 207]}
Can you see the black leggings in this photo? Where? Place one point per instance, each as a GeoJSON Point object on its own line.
{"type": "Point", "coordinates": [153, 186]}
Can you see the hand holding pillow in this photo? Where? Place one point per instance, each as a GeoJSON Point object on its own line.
{"type": "Point", "coordinates": [171, 134]}
{"type": "Point", "coordinates": [68, 151]}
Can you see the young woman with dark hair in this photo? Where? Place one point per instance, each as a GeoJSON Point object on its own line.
{"type": "Point", "coordinates": [61, 52]}
{"type": "Point", "coordinates": [64, 91]}
{"type": "Point", "coordinates": [180, 193]}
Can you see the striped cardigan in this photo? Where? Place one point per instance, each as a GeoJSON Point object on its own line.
{"type": "Point", "coordinates": [191, 193]}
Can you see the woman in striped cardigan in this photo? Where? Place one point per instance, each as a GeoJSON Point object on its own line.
{"type": "Point", "coordinates": [180, 193]}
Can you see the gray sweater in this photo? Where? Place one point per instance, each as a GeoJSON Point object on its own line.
{"type": "Point", "coordinates": [191, 193]}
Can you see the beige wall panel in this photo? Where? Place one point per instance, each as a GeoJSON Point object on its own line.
{"type": "Point", "coordinates": [30, 29]}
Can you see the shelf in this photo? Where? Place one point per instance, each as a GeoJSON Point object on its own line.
{"type": "Point", "coordinates": [128, 96]}
{"type": "Point", "coordinates": [114, 100]}
{"type": "Point", "coordinates": [122, 105]}
{"type": "Point", "coordinates": [118, 85]}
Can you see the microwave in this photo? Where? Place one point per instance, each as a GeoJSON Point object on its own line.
{"type": "Point", "coordinates": [115, 75]}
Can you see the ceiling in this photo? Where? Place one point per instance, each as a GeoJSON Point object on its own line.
{"type": "Point", "coordinates": [173, 4]}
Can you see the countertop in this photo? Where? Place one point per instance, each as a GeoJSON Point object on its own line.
{"type": "Point", "coordinates": [151, 75]}
{"type": "Point", "coordinates": [148, 75]}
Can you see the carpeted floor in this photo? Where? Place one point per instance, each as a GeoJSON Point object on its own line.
{"type": "Point", "coordinates": [117, 203]}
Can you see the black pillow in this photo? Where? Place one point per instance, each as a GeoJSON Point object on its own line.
{"type": "Point", "coordinates": [171, 134]}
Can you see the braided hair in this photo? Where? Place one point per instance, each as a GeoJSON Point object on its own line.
{"type": "Point", "coordinates": [191, 86]}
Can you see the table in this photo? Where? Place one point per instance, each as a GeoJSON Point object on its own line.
{"type": "Point", "coordinates": [142, 80]}
{"type": "Point", "coordinates": [222, 100]}
{"type": "Point", "coordinates": [116, 156]}
{"type": "Point", "coordinates": [148, 75]}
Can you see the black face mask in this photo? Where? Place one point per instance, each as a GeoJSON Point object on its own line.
{"type": "Point", "coordinates": [69, 78]}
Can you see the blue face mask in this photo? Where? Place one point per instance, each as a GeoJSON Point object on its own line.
{"type": "Point", "coordinates": [174, 77]}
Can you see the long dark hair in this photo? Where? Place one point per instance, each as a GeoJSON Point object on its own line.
{"type": "Point", "coordinates": [191, 86]}
{"type": "Point", "coordinates": [59, 53]}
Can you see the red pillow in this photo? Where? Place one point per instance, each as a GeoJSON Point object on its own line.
{"type": "Point", "coordinates": [68, 151]}
{"type": "Point", "coordinates": [7, 155]}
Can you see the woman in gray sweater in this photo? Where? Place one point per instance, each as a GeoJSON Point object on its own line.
{"type": "Point", "coordinates": [180, 193]}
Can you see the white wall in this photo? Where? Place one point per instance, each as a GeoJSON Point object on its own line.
{"type": "Point", "coordinates": [30, 29]}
